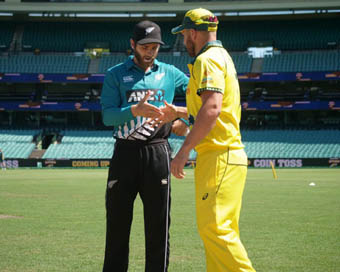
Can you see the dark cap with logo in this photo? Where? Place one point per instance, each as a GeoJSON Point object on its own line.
{"type": "Point", "coordinates": [147, 32]}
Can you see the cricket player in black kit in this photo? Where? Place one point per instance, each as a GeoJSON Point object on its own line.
{"type": "Point", "coordinates": [132, 94]}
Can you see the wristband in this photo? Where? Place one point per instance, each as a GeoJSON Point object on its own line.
{"type": "Point", "coordinates": [184, 121]}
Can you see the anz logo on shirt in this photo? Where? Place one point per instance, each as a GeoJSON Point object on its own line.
{"type": "Point", "coordinates": [138, 95]}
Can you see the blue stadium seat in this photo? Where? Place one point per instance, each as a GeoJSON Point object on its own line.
{"type": "Point", "coordinates": [17, 143]}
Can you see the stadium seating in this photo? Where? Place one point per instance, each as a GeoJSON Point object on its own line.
{"type": "Point", "coordinates": [301, 45]}
{"type": "Point", "coordinates": [108, 61]}
{"type": "Point", "coordinates": [79, 151]}
{"type": "Point", "coordinates": [242, 61]}
{"type": "Point", "coordinates": [17, 150]}
{"type": "Point", "coordinates": [176, 143]}
{"type": "Point", "coordinates": [83, 144]}
{"type": "Point", "coordinates": [17, 143]}
{"type": "Point", "coordinates": [81, 136]}
{"type": "Point", "coordinates": [321, 34]}
{"type": "Point", "coordinates": [303, 62]}
{"type": "Point", "coordinates": [37, 35]}
{"type": "Point", "coordinates": [8, 135]}
{"type": "Point", "coordinates": [79, 64]}
{"type": "Point", "coordinates": [80, 144]}
{"type": "Point", "coordinates": [94, 145]}
{"type": "Point", "coordinates": [7, 30]}
{"type": "Point", "coordinates": [292, 143]}
{"type": "Point", "coordinates": [72, 37]}
{"type": "Point", "coordinates": [44, 64]}
{"type": "Point", "coordinates": [180, 61]}
{"type": "Point", "coordinates": [236, 35]}
{"type": "Point", "coordinates": [283, 143]}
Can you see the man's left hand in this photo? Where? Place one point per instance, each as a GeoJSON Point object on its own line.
{"type": "Point", "coordinates": [178, 163]}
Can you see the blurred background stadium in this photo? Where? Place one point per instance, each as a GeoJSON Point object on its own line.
{"type": "Point", "coordinates": [54, 55]}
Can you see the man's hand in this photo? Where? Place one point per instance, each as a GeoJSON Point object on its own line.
{"type": "Point", "coordinates": [143, 108]}
{"type": "Point", "coordinates": [180, 128]}
{"type": "Point", "coordinates": [169, 113]}
{"type": "Point", "coordinates": [178, 163]}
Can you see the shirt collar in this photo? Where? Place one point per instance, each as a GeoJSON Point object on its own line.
{"type": "Point", "coordinates": [216, 43]}
{"type": "Point", "coordinates": [130, 64]}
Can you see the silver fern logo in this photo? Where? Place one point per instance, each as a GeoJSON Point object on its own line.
{"type": "Point", "coordinates": [149, 30]}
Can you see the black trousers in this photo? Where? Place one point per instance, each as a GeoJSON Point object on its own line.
{"type": "Point", "coordinates": [144, 169]}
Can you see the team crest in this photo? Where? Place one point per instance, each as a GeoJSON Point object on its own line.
{"type": "Point", "coordinates": [149, 30]}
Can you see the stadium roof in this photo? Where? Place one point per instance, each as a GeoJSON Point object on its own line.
{"type": "Point", "coordinates": [171, 6]}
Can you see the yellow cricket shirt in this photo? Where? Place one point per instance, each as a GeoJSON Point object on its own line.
{"type": "Point", "coordinates": [213, 70]}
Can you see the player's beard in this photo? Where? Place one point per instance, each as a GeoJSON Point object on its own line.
{"type": "Point", "coordinates": [190, 46]}
{"type": "Point", "coordinates": [144, 62]}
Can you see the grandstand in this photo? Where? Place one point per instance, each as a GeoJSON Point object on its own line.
{"type": "Point", "coordinates": [17, 143]}
{"type": "Point", "coordinates": [85, 144]}
{"type": "Point", "coordinates": [79, 144]}
{"type": "Point", "coordinates": [52, 68]}
{"type": "Point", "coordinates": [7, 31]}
{"type": "Point", "coordinates": [292, 143]}
{"type": "Point", "coordinates": [287, 35]}
{"type": "Point", "coordinates": [314, 61]}
{"type": "Point", "coordinates": [317, 46]}
{"type": "Point", "coordinates": [44, 64]}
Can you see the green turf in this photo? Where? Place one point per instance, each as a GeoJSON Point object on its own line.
{"type": "Point", "coordinates": [286, 225]}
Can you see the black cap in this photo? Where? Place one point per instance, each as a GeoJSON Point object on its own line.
{"type": "Point", "coordinates": [147, 32]}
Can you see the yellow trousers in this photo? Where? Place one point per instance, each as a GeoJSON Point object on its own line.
{"type": "Point", "coordinates": [220, 178]}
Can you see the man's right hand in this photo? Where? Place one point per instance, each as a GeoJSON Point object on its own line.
{"type": "Point", "coordinates": [144, 109]}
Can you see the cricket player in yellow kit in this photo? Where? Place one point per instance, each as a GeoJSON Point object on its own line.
{"type": "Point", "coordinates": [214, 111]}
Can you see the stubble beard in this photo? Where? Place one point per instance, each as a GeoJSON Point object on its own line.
{"type": "Point", "coordinates": [190, 46]}
{"type": "Point", "coordinates": [141, 62]}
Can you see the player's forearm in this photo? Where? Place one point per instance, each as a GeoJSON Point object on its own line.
{"type": "Point", "coordinates": [116, 116]}
{"type": "Point", "coordinates": [204, 123]}
{"type": "Point", "coordinates": [182, 112]}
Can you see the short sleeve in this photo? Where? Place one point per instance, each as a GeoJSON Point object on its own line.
{"type": "Point", "coordinates": [209, 75]}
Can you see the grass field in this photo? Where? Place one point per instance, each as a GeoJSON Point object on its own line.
{"type": "Point", "coordinates": [54, 220]}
